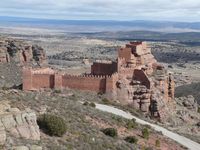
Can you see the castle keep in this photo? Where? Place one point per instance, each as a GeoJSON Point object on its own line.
{"type": "Point", "coordinates": [135, 79]}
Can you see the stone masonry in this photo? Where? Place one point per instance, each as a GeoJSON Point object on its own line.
{"type": "Point", "coordinates": [134, 79]}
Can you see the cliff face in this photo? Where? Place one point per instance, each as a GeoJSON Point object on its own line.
{"type": "Point", "coordinates": [20, 52]}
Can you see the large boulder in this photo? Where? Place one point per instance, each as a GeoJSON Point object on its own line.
{"type": "Point", "coordinates": [16, 123]}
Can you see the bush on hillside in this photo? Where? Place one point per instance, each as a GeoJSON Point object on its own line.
{"type": "Point", "coordinates": [131, 139]}
{"type": "Point", "coordinates": [131, 124]}
{"type": "Point", "coordinates": [157, 143]}
{"type": "Point", "coordinates": [145, 133]}
{"type": "Point", "coordinates": [112, 132]}
{"type": "Point", "coordinates": [52, 125]}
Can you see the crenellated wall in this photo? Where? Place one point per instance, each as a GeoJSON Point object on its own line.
{"type": "Point", "coordinates": [90, 82]}
{"type": "Point", "coordinates": [41, 79]}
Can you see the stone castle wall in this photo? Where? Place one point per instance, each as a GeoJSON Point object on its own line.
{"type": "Point", "coordinates": [90, 83]}
{"type": "Point", "coordinates": [34, 80]}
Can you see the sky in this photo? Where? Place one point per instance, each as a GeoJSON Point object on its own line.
{"type": "Point", "coordinates": [171, 10]}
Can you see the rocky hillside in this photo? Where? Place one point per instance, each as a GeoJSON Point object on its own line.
{"type": "Point", "coordinates": [85, 124]}
{"type": "Point", "coordinates": [14, 54]}
{"type": "Point", "coordinates": [20, 52]}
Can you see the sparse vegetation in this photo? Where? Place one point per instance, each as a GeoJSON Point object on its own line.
{"type": "Point", "coordinates": [131, 124]}
{"type": "Point", "coordinates": [157, 143]}
{"type": "Point", "coordinates": [89, 104]}
{"type": "Point", "coordinates": [131, 139]}
{"type": "Point", "coordinates": [92, 104]}
{"type": "Point", "coordinates": [52, 125]}
{"type": "Point", "coordinates": [86, 103]}
{"type": "Point", "coordinates": [112, 132]}
{"type": "Point", "coordinates": [105, 101]}
{"type": "Point", "coordinates": [57, 91]}
{"type": "Point", "coordinates": [145, 133]}
{"type": "Point", "coordinates": [198, 110]}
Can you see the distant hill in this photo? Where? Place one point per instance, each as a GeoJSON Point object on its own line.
{"type": "Point", "coordinates": [189, 38]}
{"type": "Point", "coordinates": [103, 25]}
{"type": "Point", "coordinates": [190, 89]}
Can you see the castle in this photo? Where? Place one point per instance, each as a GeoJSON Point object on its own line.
{"type": "Point", "coordinates": [134, 79]}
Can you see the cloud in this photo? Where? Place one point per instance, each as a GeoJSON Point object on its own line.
{"type": "Point", "coordinates": [181, 10]}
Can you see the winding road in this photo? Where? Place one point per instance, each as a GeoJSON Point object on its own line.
{"type": "Point", "coordinates": [176, 137]}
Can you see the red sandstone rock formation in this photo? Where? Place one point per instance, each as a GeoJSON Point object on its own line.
{"type": "Point", "coordinates": [20, 52]}
{"type": "Point", "coordinates": [135, 79]}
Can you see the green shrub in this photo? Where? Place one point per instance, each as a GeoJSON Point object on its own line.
{"type": "Point", "coordinates": [131, 139]}
{"type": "Point", "coordinates": [57, 91]}
{"type": "Point", "coordinates": [117, 118]}
{"type": "Point", "coordinates": [52, 125]}
{"type": "Point", "coordinates": [86, 103]}
{"type": "Point", "coordinates": [5, 88]}
{"type": "Point", "coordinates": [157, 143]}
{"type": "Point", "coordinates": [145, 133]}
{"type": "Point", "coordinates": [89, 104]}
{"type": "Point", "coordinates": [92, 105]}
{"type": "Point", "coordinates": [148, 148]}
{"type": "Point", "coordinates": [131, 124]}
{"type": "Point", "coordinates": [147, 126]}
{"type": "Point", "coordinates": [198, 110]}
{"type": "Point", "coordinates": [105, 101]}
{"type": "Point", "coordinates": [112, 132]}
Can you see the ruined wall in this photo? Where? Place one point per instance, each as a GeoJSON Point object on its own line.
{"type": "Point", "coordinates": [103, 68]}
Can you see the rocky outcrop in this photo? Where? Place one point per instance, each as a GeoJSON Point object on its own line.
{"type": "Point", "coordinates": [188, 101]}
{"type": "Point", "coordinates": [16, 123]}
{"type": "Point", "coordinates": [20, 52]}
{"type": "Point", "coordinates": [144, 83]}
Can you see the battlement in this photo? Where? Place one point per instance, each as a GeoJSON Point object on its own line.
{"type": "Point", "coordinates": [43, 71]}
{"type": "Point", "coordinates": [103, 61]}
{"type": "Point", "coordinates": [85, 76]}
